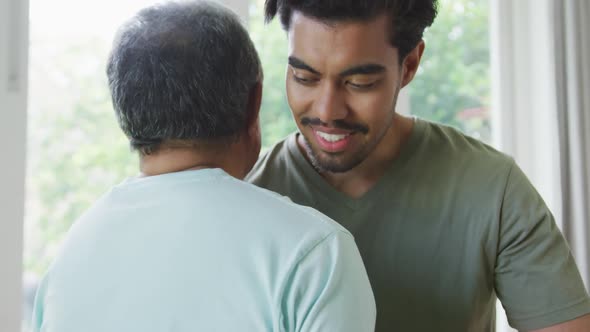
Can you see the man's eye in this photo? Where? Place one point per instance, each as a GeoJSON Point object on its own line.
{"type": "Point", "coordinates": [361, 86]}
{"type": "Point", "coordinates": [304, 80]}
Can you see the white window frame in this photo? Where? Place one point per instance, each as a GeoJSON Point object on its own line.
{"type": "Point", "coordinates": [13, 122]}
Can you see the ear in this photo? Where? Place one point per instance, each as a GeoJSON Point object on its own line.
{"type": "Point", "coordinates": [411, 63]}
{"type": "Point", "coordinates": [254, 102]}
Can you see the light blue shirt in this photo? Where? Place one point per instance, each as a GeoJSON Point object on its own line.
{"type": "Point", "coordinates": [202, 251]}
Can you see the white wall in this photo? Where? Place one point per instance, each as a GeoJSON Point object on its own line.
{"type": "Point", "coordinates": [239, 6]}
{"type": "Point", "coordinates": [13, 87]}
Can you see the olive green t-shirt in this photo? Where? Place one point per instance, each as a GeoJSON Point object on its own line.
{"type": "Point", "coordinates": [450, 227]}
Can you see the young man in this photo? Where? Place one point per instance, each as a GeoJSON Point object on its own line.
{"type": "Point", "coordinates": [444, 223]}
{"type": "Point", "coordinates": [187, 246]}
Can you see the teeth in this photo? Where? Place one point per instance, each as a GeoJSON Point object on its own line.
{"type": "Point", "coordinates": [331, 137]}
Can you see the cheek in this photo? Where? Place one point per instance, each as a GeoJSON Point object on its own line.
{"type": "Point", "coordinates": [373, 104]}
{"type": "Point", "coordinates": [296, 97]}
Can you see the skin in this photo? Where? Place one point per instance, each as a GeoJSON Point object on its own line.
{"type": "Point", "coordinates": [236, 158]}
{"type": "Point", "coordinates": [343, 79]}
{"type": "Point", "coordinates": [580, 324]}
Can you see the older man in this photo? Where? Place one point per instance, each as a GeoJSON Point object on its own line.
{"type": "Point", "coordinates": [188, 246]}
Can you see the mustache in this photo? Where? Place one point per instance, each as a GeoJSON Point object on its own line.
{"type": "Point", "coordinates": [340, 124]}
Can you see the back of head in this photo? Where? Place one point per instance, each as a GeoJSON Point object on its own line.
{"type": "Point", "coordinates": [182, 71]}
{"type": "Point", "coordinates": [409, 18]}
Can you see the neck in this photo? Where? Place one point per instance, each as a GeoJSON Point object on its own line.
{"type": "Point", "coordinates": [170, 160]}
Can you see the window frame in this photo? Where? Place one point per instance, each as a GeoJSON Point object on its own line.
{"type": "Point", "coordinates": [13, 123]}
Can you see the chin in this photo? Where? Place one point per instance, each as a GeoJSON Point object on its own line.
{"type": "Point", "coordinates": [325, 163]}
{"type": "Point", "coordinates": [334, 166]}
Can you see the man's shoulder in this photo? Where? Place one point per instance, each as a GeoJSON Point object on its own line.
{"type": "Point", "coordinates": [299, 215]}
{"type": "Point", "coordinates": [448, 161]}
{"type": "Point", "coordinates": [448, 145]}
{"type": "Point", "coordinates": [275, 164]}
{"type": "Point", "coordinates": [451, 138]}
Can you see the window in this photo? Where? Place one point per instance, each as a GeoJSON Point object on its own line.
{"type": "Point", "coordinates": [453, 83]}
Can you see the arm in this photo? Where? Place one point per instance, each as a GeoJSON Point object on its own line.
{"type": "Point", "coordinates": [536, 277]}
{"type": "Point", "coordinates": [328, 290]}
{"type": "Point", "coordinates": [580, 324]}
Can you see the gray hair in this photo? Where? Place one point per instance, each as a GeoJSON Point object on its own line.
{"type": "Point", "coordinates": [182, 71]}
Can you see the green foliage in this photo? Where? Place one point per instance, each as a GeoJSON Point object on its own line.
{"type": "Point", "coordinates": [454, 74]}
{"type": "Point", "coordinates": [76, 152]}
{"type": "Point", "coordinates": [271, 43]}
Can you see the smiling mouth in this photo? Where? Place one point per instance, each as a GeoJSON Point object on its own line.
{"type": "Point", "coordinates": [332, 138]}
{"type": "Point", "coordinates": [333, 142]}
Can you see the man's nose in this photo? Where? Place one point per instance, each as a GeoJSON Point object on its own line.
{"type": "Point", "coordinates": [330, 104]}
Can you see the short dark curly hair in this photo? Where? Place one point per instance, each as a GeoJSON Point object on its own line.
{"type": "Point", "coordinates": [182, 71]}
{"type": "Point", "coordinates": [409, 17]}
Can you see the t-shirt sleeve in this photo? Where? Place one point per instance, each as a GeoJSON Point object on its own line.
{"type": "Point", "coordinates": [328, 290]}
{"type": "Point", "coordinates": [536, 277]}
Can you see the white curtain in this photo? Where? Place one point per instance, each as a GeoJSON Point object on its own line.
{"type": "Point", "coordinates": [572, 45]}
{"type": "Point", "coordinates": [523, 91]}
{"type": "Point", "coordinates": [541, 106]}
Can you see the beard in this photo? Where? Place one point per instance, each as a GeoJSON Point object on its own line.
{"type": "Point", "coordinates": [331, 163]}
{"type": "Point", "coordinates": [342, 162]}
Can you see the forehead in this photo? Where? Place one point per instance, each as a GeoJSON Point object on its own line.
{"type": "Point", "coordinates": [341, 43]}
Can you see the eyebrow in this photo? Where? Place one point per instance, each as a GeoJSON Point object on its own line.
{"type": "Point", "coordinates": [299, 64]}
{"type": "Point", "coordinates": [366, 69]}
